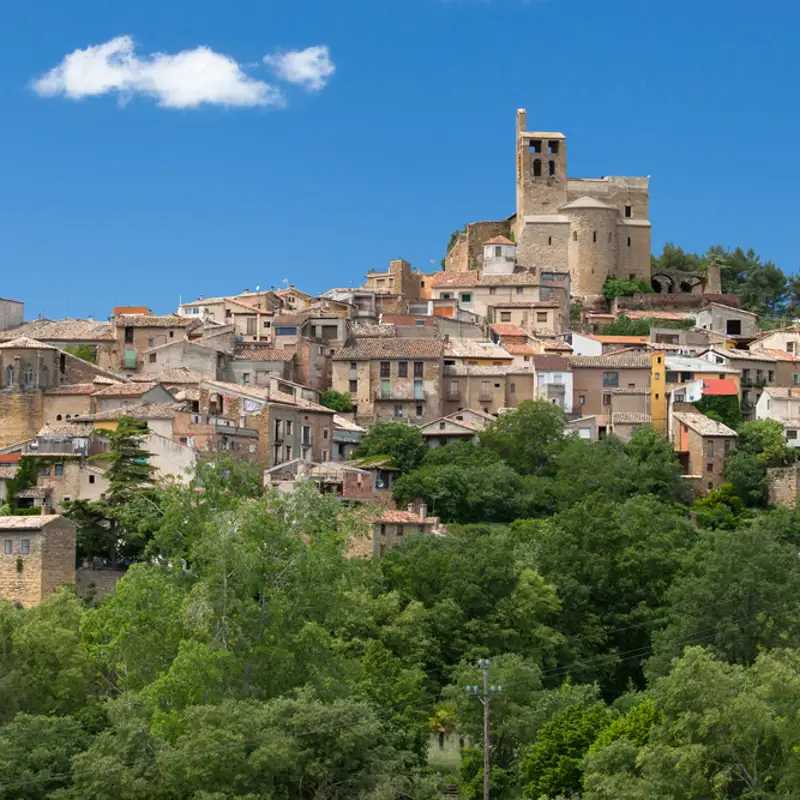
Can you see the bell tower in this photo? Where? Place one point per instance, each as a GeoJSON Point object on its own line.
{"type": "Point", "coordinates": [541, 170]}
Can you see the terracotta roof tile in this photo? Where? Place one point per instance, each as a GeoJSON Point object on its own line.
{"type": "Point", "coordinates": [617, 361]}
{"type": "Point", "coordinates": [69, 430]}
{"type": "Point", "coordinates": [33, 523]}
{"type": "Point", "coordinates": [456, 280]}
{"type": "Point", "coordinates": [73, 388]}
{"type": "Point", "coordinates": [62, 330]}
{"type": "Point", "coordinates": [702, 424]}
{"type": "Point", "coordinates": [125, 389]}
{"type": "Point", "coordinates": [551, 363]}
{"type": "Point", "coordinates": [26, 343]}
{"type": "Point", "coordinates": [368, 349]}
{"type": "Point", "coordinates": [166, 321]}
{"type": "Point", "coordinates": [515, 279]}
{"type": "Point", "coordinates": [519, 349]}
{"type": "Point", "coordinates": [171, 375]}
{"type": "Point", "coordinates": [144, 411]}
{"type": "Point", "coordinates": [778, 355]}
{"type": "Point", "coordinates": [500, 240]}
{"type": "Point", "coordinates": [261, 353]}
{"type": "Point", "coordinates": [509, 329]}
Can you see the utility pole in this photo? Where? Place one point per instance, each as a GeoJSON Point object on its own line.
{"type": "Point", "coordinates": [485, 695]}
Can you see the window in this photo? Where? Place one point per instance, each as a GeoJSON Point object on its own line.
{"type": "Point", "coordinates": [386, 369]}
{"type": "Point", "coordinates": [59, 469]}
{"type": "Point", "coordinates": [172, 334]}
{"type": "Point", "coordinates": [541, 316]}
{"type": "Point", "coordinates": [498, 251]}
{"type": "Point", "coordinates": [795, 378]}
{"type": "Point", "coordinates": [550, 240]}
{"type": "Point", "coordinates": [486, 389]}
{"type": "Point", "coordinates": [519, 290]}
{"type": "Point", "coordinates": [398, 411]}
{"type": "Point", "coordinates": [672, 377]}
{"type": "Point", "coordinates": [709, 448]}
{"type": "Point", "coordinates": [770, 376]}
{"type": "Point", "coordinates": [10, 376]}
{"type": "Point", "coordinates": [492, 290]}
{"type": "Point", "coordinates": [153, 357]}
{"type": "Point", "coordinates": [733, 327]}
{"type": "Point", "coordinates": [267, 323]}
{"type": "Point", "coordinates": [129, 335]}
{"type": "Point", "coordinates": [710, 485]}
{"type": "Point", "coordinates": [419, 322]}
{"type": "Point", "coordinates": [628, 211]}
{"type": "Point", "coordinates": [419, 410]}
{"type": "Point", "coordinates": [535, 145]}
{"type": "Point", "coordinates": [285, 331]}
{"type": "Point", "coordinates": [606, 399]}
{"type": "Point", "coordinates": [727, 446]}
{"type": "Point", "coordinates": [27, 376]}
{"type": "Point", "coordinates": [25, 546]}
{"type": "Point", "coordinates": [581, 399]}
{"type": "Point", "coordinates": [505, 316]}
{"type": "Point", "coordinates": [442, 426]}
{"type": "Point", "coordinates": [551, 169]}
{"type": "Point", "coordinates": [466, 297]}
{"type": "Point", "coordinates": [513, 388]}
{"type": "Point", "coordinates": [446, 296]}
{"type": "Point", "coordinates": [386, 388]}
{"type": "Point", "coordinates": [8, 547]}
{"type": "Point", "coordinates": [611, 379]}
{"type": "Point", "coordinates": [130, 358]}
{"type": "Point", "coordinates": [418, 365]}
{"type": "Point", "coordinates": [151, 342]}
{"type": "Point", "coordinates": [43, 381]}
{"type": "Point", "coordinates": [629, 241]}
{"type": "Point", "coordinates": [92, 477]}
{"type": "Point", "coordinates": [790, 347]}
{"type": "Point", "coordinates": [353, 388]}
{"type": "Point", "coordinates": [537, 168]}
{"type": "Point", "coordinates": [58, 417]}
{"type": "Point", "coordinates": [288, 424]}
{"type": "Point", "coordinates": [553, 147]}
{"type": "Point", "coordinates": [418, 390]}
{"type": "Point", "coordinates": [709, 467]}
{"type": "Point", "coordinates": [455, 390]}
{"type": "Point", "coordinates": [594, 236]}
{"type": "Point", "coordinates": [402, 369]}
{"type": "Point", "coordinates": [326, 433]}
{"type": "Point", "coordinates": [245, 378]}
{"type": "Point", "coordinates": [574, 236]}
{"type": "Point", "coordinates": [791, 434]}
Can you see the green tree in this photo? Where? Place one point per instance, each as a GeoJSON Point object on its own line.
{"type": "Point", "coordinates": [36, 755]}
{"type": "Point", "coordinates": [615, 287]}
{"type": "Point", "coordinates": [338, 401]}
{"type": "Point", "coordinates": [528, 437]}
{"type": "Point", "coordinates": [675, 258]}
{"type": "Point", "coordinates": [764, 439]}
{"type": "Point", "coordinates": [725, 407]}
{"type": "Point", "coordinates": [403, 444]}
{"type": "Point", "coordinates": [129, 470]}
{"type": "Point", "coordinates": [737, 595]}
{"type": "Point", "coordinates": [552, 765]}
{"type": "Point", "coordinates": [82, 351]}
{"type": "Point", "coordinates": [612, 564]}
{"type": "Point", "coordinates": [24, 478]}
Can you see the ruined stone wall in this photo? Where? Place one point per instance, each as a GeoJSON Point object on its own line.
{"type": "Point", "coordinates": [783, 486]}
{"type": "Point", "coordinates": [22, 416]}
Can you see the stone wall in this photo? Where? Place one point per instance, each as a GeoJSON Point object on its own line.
{"type": "Point", "coordinates": [467, 251]}
{"type": "Point", "coordinates": [96, 583]}
{"type": "Point", "coordinates": [65, 406]}
{"type": "Point", "coordinates": [58, 556]}
{"type": "Point", "coordinates": [22, 416]}
{"type": "Point", "coordinates": [544, 243]}
{"type": "Point", "coordinates": [783, 486]}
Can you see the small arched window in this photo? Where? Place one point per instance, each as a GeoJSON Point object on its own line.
{"type": "Point", "coordinates": [43, 381]}
{"type": "Point", "coordinates": [58, 417]}
{"type": "Point", "coordinates": [537, 167]}
{"type": "Point", "coordinates": [27, 376]}
{"type": "Point", "coordinates": [10, 376]}
{"type": "Point", "coordinates": [550, 240]}
{"type": "Point", "coordinates": [551, 169]}
{"type": "Point", "coordinates": [628, 210]}
{"type": "Point", "coordinates": [69, 415]}
{"type": "Point", "coordinates": [513, 388]}
{"type": "Point", "coordinates": [629, 241]}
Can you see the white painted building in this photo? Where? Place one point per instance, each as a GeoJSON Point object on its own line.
{"type": "Point", "coordinates": [782, 403]}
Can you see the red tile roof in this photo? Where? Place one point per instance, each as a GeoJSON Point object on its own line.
{"type": "Point", "coordinates": [720, 387]}
{"type": "Point", "coordinates": [508, 329]}
{"type": "Point", "coordinates": [447, 280]}
{"type": "Point", "coordinates": [10, 458]}
{"type": "Point", "coordinates": [500, 240]}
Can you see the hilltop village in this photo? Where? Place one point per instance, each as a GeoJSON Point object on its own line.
{"type": "Point", "coordinates": [291, 382]}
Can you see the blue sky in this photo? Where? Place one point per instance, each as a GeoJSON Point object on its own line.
{"type": "Point", "coordinates": [298, 172]}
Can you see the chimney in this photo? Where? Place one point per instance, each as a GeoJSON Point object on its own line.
{"type": "Point", "coordinates": [410, 508]}
{"type": "Point", "coordinates": [423, 510]}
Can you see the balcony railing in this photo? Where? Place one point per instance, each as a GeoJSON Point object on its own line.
{"type": "Point", "coordinates": [401, 394]}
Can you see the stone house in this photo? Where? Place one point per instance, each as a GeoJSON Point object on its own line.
{"type": "Point", "coordinates": [136, 335]}
{"type": "Point", "coordinates": [392, 378]}
{"type": "Point", "coordinates": [37, 557]}
{"type": "Point", "coordinates": [215, 309]}
{"type": "Point", "coordinates": [702, 445]}
{"type": "Point", "coordinates": [594, 379]}
{"type": "Point", "coordinates": [537, 317]}
{"type": "Point", "coordinates": [12, 313]}
{"type": "Point", "coordinates": [68, 401]}
{"type": "Point", "coordinates": [68, 333]}
{"type": "Point", "coordinates": [487, 389]}
{"type": "Point", "coordinates": [399, 279]}
{"type": "Point", "coordinates": [782, 403]}
{"type": "Point", "coordinates": [253, 365]}
{"type": "Point", "coordinates": [194, 356]}
{"type": "Point", "coordinates": [390, 528]}
{"type": "Point", "coordinates": [784, 339]}
{"type": "Point", "coordinates": [464, 425]}
{"type": "Point", "coordinates": [122, 395]}
{"type": "Point", "coordinates": [474, 353]}
{"type": "Point", "coordinates": [756, 369]}
{"type": "Point", "coordinates": [732, 322]}
{"type": "Point", "coordinates": [787, 366]}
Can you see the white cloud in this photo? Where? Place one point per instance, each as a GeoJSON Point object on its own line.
{"type": "Point", "coordinates": [186, 79]}
{"type": "Point", "coordinates": [310, 68]}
